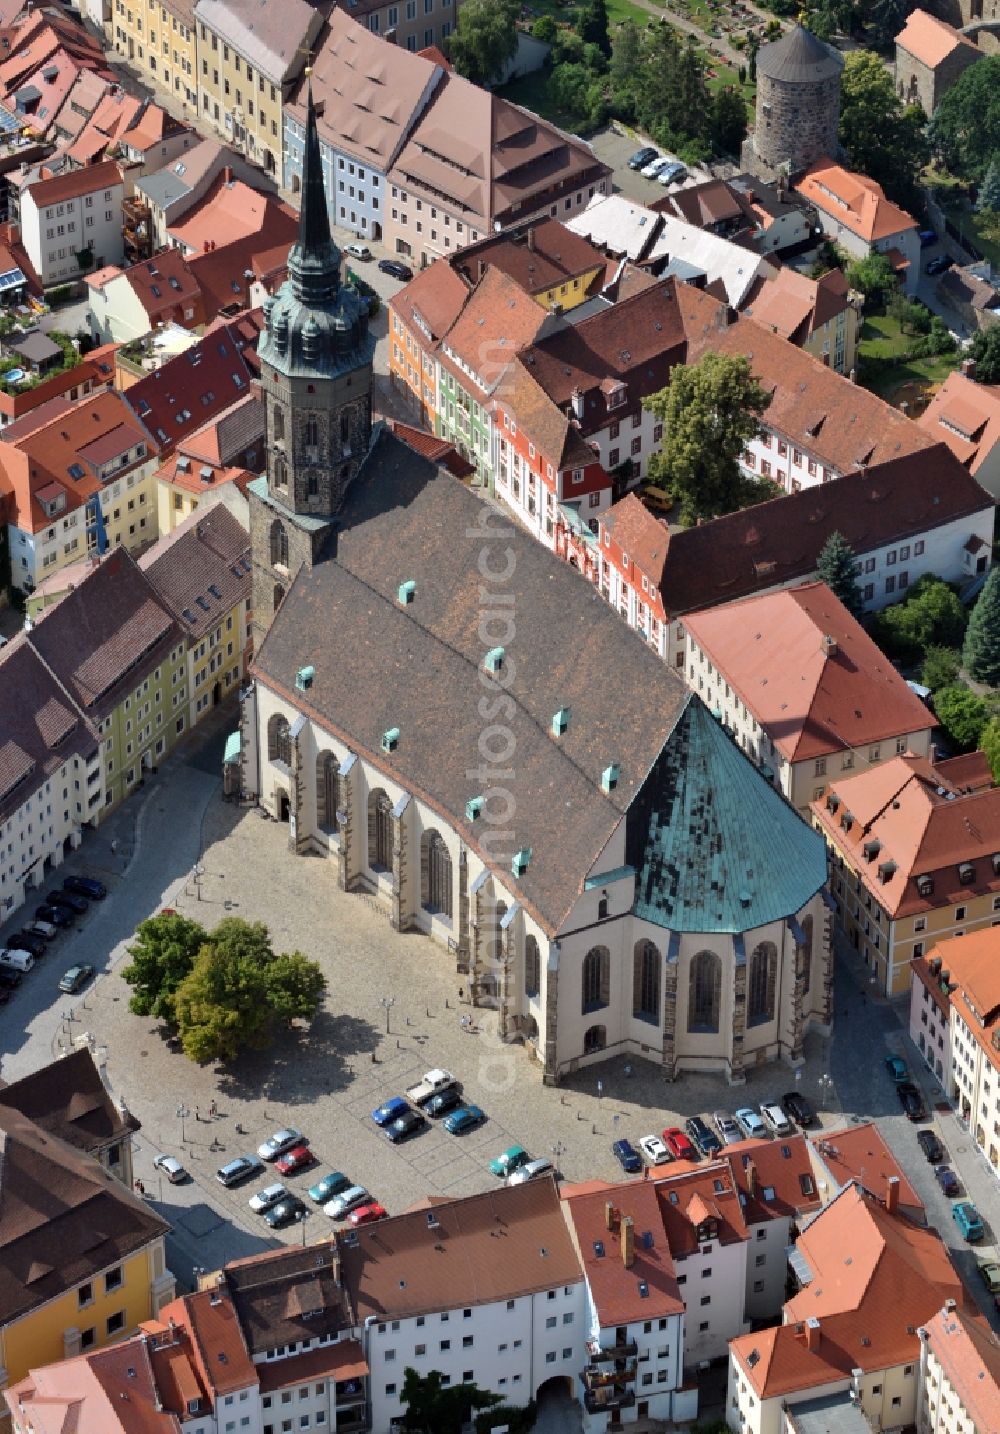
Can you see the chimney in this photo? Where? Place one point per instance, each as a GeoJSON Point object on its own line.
{"type": "Point", "coordinates": [577, 401]}
{"type": "Point", "coordinates": [904, 407]}
{"type": "Point", "coordinates": [227, 175]}
{"type": "Point", "coordinates": [531, 239]}
{"type": "Point", "coordinates": [853, 375]}
{"type": "Point", "coordinates": [812, 1333]}
{"type": "Point", "coordinates": [628, 1242]}
{"type": "Point", "coordinates": [892, 1194]}
{"type": "Point", "coordinates": [482, 270]}
{"type": "Point", "coordinates": [829, 645]}
{"type": "Point", "coordinates": [751, 1170]}
{"type": "Point", "coordinates": [610, 1215]}
{"type": "Point", "coordinates": [969, 367]}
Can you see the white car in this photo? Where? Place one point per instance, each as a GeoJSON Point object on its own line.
{"type": "Point", "coordinates": [279, 1142]}
{"type": "Point", "coordinates": [775, 1119]}
{"type": "Point", "coordinates": [358, 251]}
{"type": "Point", "coordinates": [750, 1123]}
{"type": "Point", "coordinates": [264, 1199]}
{"type": "Point", "coordinates": [171, 1167]}
{"type": "Point", "coordinates": [654, 166]}
{"type": "Point", "coordinates": [343, 1204]}
{"type": "Point", "coordinates": [532, 1171]}
{"type": "Point", "coordinates": [654, 1150]}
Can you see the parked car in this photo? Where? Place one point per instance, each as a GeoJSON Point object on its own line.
{"type": "Point", "coordinates": [652, 169]}
{"type": "Point", "coordinates": [642, 157]}
{"type": "Point", "coordinates": [347, 1201]}
{"type": "Point", "coordinates": [279, 1142]}
{"type": "Point", "coordinates": [948, 1181]}
{"type": "Point", "coordinates": [702, 1136]}
{"type": "Point", "coordinates": [934, 1151]}
{"type": "Point", "coordinates": [654, 1151]}
{"type": "Point", "coordinates": [395, 269]}
{"type": "Point", "coordinates": [55, 915]}
{"type": "Point", "coordinates": [264, 1199]}
{"type": "Point", "coordinates": [627, 1156]}
{"type": "Point", "coordinates": [729, 1131]}
{"type": "Point", "coordinates": [431, 1083]}
{"type": "Point", "coordinates": [330, 1185]}
{"type": "Point", "coordinates": [678, 1144]}
{"type": "Point", "coordinates": [172, 1168]}
{"type": "Point", "coordinates": [298, 1158]}
{"type": "Point", "coordinates": [927, 237]}
{"type": "Point", "coordinates": [44, 929]}
{"type": "Point", "coordinates": [86, 886]}
{"type": "Point", "coordinates": [911, 1100]}
{"type": "Point", "coordinates": [896, 1067]}
{"type": "Point", "coordinates": [238, 1170]}
{"type": "Point", "coordinates": [467, 1117]}
{"type": "Point", "coordinates": [27, 941]}
{"type": "Point", "coordinates": [775, 1118]}
{"type": "Point", "coordinates": [367, 1214]}
{"type": "Point", "coordinates": [797, 1108]}
{"type": "Point", "coordinates": [671, 173]}
{"type": "Point", "coordinates": [77, 976]}
{"type": "Point", "coordinates": [287, 1212]}
{"type": "Point", "coordinates": [968, 1220]}
{"type": "Point", "coordinates": [358, 251]}
{"type": "Point", "coordinates": [509, 1160]}
{"type": "Point", "coordinates": [69, 899]}
{"type": "Point", "coordinates": [750, 1123]}
{"type": "Point", "coordinates": [989, 1273]}
{"type": "Point", "coordinates": [411, 1122]}
{"type": "Point", "coordinates": [443, 1101]}
{"type": "Point", "coordinates": [939, 265]}
{"type": "Point", "coordinates": [16, 960]}
{"type": "Point", "coordinates": [9, 978]}
{"type": "Point", "coordinates": [389, 1110]}
{"type": "Point", "coordinates": [534, 1170]}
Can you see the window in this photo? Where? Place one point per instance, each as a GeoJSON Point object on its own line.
{"type": "Point", "coordinates": [596, 979]}
{"type": "Point", "coordinates": [327, 791]}
{"type": "Point", "coordinates": [435, 874]}
{"type": "Point", "coordinates": [279, 544]}
{"type": "Point", "coordinates": [85, 1295]}
{"type": "Point", "coordinates": [113, 1279]}
{"type": "Point", "coordinates": [704, 992]}
{"type": "Point", "coordinates": [761, 983]}
{"type": "Point", "coordinates": [379, 830]}
{"type": "Point", "coordinates": [532, 966]}
{"type": "Point", "coordinates": [116, 1322]}
{"type": "Point", "coordinates": [646, 982]}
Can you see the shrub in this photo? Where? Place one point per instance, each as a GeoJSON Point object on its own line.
{"type": "Point", "coordinates": [962, 715]}
{"type": "Point", "coordinates": [941, 667]}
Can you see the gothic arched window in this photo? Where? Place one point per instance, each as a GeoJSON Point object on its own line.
{"type": "Point", "coordinates": [327, 791]}
{"type": "Point", "coordinates": [761, 983]}
{"type": "Point", "coordinates": [646, 982]}
{"type": "Point", "coordinates": [596, 979]}
{"type": "Point", "coordinates": [807, 953]}
{"type": "Point", "coordinates": [532, 967]}
{"type": "Point", "coordinates": [379, 830]}
{"type": "Point", "coordinates": [704, 992]}
{"type": "Point", "coordinates": [279, 544]}
{"type": "Point", "coordinates": [435, 874]}
{"type": "Point", "coordinates": [279, 740]}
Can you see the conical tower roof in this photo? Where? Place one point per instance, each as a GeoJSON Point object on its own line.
{"type": "Point", "coordinates": [314, 259]}
{"type": "Point", "coordinates": [798, 58]}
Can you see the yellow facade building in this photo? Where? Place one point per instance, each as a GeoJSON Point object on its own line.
{"type": "Point", "coordinates": [159, 38]}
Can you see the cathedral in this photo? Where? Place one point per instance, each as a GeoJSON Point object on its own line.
{"type": "Point", "coordinates": [464, 728]}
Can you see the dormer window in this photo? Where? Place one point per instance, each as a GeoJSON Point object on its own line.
{"type": "Point", "coordinates": [925, 885]}
{"type": "Point", "coordinates": [617, 396]}
{"type": "Point", "coordinates": [966, 873]}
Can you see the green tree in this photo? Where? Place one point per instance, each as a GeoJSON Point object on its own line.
{"type": "Point", "coordinates": [163, 953]}
{"type": "Point", "coordinates": [985, 349]}
{"type": "Point", "coordinates": [295, 987]}
{"type": "Point", "coordinates": [710, 411]}
{"type": "Point", "coordinates": [433, 1407]}
{"type": "Point", "coordinates": [577, 95]}
{"type": "Point", "coordinates": [887, 18]}
{"type": "Point", "coordinates": [594, 26]}
{"type": "Point", "coordinates": [962, 714]}
{"type": "Point", "coordinates": [989, 742]}
{"type": "Point", "coordinates": [874, 278]}
{"type": "Point", "coordinates": [729, 121]}
{"type": "Point", "coordinates": [545, 29]}
{"type": "Point", "coordinates": [966, 125]}
{"type": "Point", "coordinates": [989, 191]}
{"type": "Point", "coordinates": [941, 667]}
{"type": "Point", "coordinates": [753, 45]}
{"type": "Point", "coordinates": [838, 568]}
{"type": "Point", "coordinates": [931, 616]}
{"type": "Point", "coordinates": [981, 652]}
{"type": "Point", "coordinates": [484, 39]}
{"type": "Point", "coordinates": [881, 137]}
{"type": "Point", "coordinates": [624, 70]}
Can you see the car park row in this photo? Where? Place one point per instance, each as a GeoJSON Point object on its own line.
{"type": "Point", "coordinates": [57, 912]}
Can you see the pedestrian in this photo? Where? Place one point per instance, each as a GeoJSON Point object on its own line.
{"type": "Point", "coordinates": [213, 1110]}
{"type": "Point", "coordinates": [461, 993]}
{"type": "Point", "coordinates": [197, 1113]}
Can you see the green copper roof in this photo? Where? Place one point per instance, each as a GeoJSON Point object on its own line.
{"type": "Point", "coordinates": [716, 848]}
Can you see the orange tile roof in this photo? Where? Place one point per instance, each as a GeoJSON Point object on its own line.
{"type": "Point", "coordinates": [616, 1288]}
{"type": "Point", "coordinates": [343, 1360]}
{"type": "Point", "coordinates": [684, 1195]}
{"type": "Point", "coordinates": [166, 287]}
{"type": "Point", "coordinates": [177, 400]}
{"type": "Point", "coordinates": [432, 300]}
{"type": "Point", "coordinates": [498, 320]}
{"type": "Point", "coordinates": [209, 1318]}
{"type": "Point", "coordinates": [968, 1351]}
{"type": "Point", "coordinates": [221, 274]}
{"type": "Point", "coordinates": [966, 416]}
{"type": "Point", "coordinates": [921, 824]}
{"type": "Point", "coordinates": [973, 961]}
{"type": "Point", "coordinates": [75, 183]}
{"type": "Point", "coordinates": [774, 1177]}
{"type": "Point", "coordinates": [230, 210]}
{"type": "Point", "coordinates": [854, 200]}
{"type": "Point", "coordinates": [811, 700]}
{"type": "Point", "coordinates": [929, 39]}
{"type": "Point", "coordinates": [640, 533]}
{"type": "Point", "coordinates": [858, 1152]}
{"type": "Point", "coordinates": [876, 1278]}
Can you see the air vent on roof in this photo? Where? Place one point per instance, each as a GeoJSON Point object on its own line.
{"type": "Point", "coordinates": [214, 590]}
{"type": "Point", "coordinates": [599, 1249]}
{"type": "Point", "coordinates": [609, 777]}
{"type": "Point", "coordinates": [188, 615]}
{"type": "Point", "coordinates": [473, 808]}
{"type": "Point", "coordinates": [406, 592]}
{"type": "Point", "coordinates": [560, 721]}
{"type": "Point", "coordinates": [304, 678]}
{"type": "Point", "coordinates": [647, 1239]}
{"type": "Point", "coordinates": [643, 1290]}
{"type": "Point", "coordinates": [493, 661]}
{"type": "Point", "coordinates": [519, 862]}
{"type": "Point", "coordinates": [390, 739]}
{"type": "Point", "coordinates": [202, 603]}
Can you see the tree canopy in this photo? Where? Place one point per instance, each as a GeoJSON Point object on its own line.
{"type": "Point", "coordinates": [931, 616]}
{"type": "Point", "coordinates": [881, 137]}
{"type": "Point", "coordinates": [981, 652]}
{"type": "Point", "coordinates": [837, 567]}
{"type": "Point", "coordinates": [710, 411]}
{"type": "Point", "coordinates": [657, 78]}
{"type": "Point", "coordinates": [988, 199]}
{"type": "Point", "coordinates": [989, 742]}
{"type": "Point", "coordinates": [962, 714]}
{"type": "Point", "coordinates": [985, 349]}
{"type": "Point", "coordinates": [484, 39]}
{"type": "Point", "coordinates": [873, 277]}
{"type": "Point", "coordinates": [594, 28]}
{"type": "Point", "coordinates": [966, 124]}
{"type": "Point", "coordinates": [433, 1407]}
{"type": "Point", "coordinates": [221, 990]}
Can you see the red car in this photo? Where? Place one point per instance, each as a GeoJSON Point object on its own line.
{"type": "Point", "coordinates": [367, 1214]}
{"type": "Point", "coordinates": [678, 1144]}
{"type": "Point", "coordinates": [295, 1159]}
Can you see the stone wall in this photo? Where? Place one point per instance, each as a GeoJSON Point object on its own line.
{"type": "Point", "coordinates": [795, 125]}
{"type": "Point", "coordinates": [917, 83]}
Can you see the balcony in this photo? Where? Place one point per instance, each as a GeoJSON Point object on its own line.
{"type": "Point", "coordinates": [608, 1353]}
{"type": "Point", "coordinates": [350, 1392]}
{"type": "Point", "coordinates": [608, 1400]}
{"type": "Point", "coordinates": [601, 1376]}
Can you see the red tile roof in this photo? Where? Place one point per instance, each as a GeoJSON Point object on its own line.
{"type": "Point", "coordinates": [929, 39]}
{"type": "Point", "coordinates": [538, 257]}
{"type": "Point", "coordinates": [166, 288]}
{"type": "Point", "coordinates": [855, 201]}
{"type": "Point", "coordinates": [640, 533]}
{"type": "Point", "coordinates": [230, 210]}
{"type": "Point", "coordinates": [684, 1196]}
{"type": "Point", "coordinates": [439, 450]}
{"type": "Point", "coordinates": [225, 274]}
{"type": "Point", "coordinates": [775, 1178]}
{"type": "Point", "coordinates": [218, 1349]}
{"type": "Point", "coordinates": [966, 416]}
{"type": "Point", "coordinates": [622, 1294]}
{"type": "Point", "coordinates": [431, 302]}
{"type": "Point", "coordinates": [808, 671]}
{"type": "Point", "coordinates": [74, 183]}
{"type": "Point", "coordinates": [858, 1153]}
{"type": "Point", "coordinates": [178, 399]}
{"type": "Point", "coordinates": [968, 1352]}
{"type": "Point", "coordinates": [343, 1360]}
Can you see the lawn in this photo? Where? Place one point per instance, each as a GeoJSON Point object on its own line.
{"type": "Point", "coordinates": [618, 11]}
{"type": "Point", "coordinates": [882, 338]}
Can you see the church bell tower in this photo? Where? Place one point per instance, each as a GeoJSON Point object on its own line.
{"type": "Point", "coordinates": [316, 374]}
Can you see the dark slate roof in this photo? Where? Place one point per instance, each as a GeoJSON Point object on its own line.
{"type": "Point", "coordinates": [419, 667]}
{"type": "Point", "coordinates": [715, 847]}
{"type": "Point", "coordinates": [106, 634]}
{"type": "Point", "coordinates": [40, 728]}
{"type": "Point", "coordinates": [67, 1098]}
{"type": "Point", "coordinates": [799, 57]}
{"type": "Point", "coordinates": [202, 569]}
{"type": "Point", "coordinates": [288, 1295]}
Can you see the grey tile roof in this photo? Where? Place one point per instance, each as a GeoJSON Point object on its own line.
{"type": "Point", "coordinates": [275, 38]}
{"type": "Point", "coordinates": [41, 727]}
{"type": "Point", "coordinates": [202, 569]}
{"type": "Point", "coordinates": [421, 668]}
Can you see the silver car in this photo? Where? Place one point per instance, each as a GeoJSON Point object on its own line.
{"type": "Point", "coordinates": [729, 1131]}
{"type": "Point", "coordinates": [279, 1142]}
{"type": "Point", "coordinates": [532, 1171]}
{"type": "Point", "coordinates": [264, 1199]}
{"type": "Point", "coordinates": [342, 1205]}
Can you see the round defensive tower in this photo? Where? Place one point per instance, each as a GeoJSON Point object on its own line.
{"type": "Point", "coordinates": [798, 105]}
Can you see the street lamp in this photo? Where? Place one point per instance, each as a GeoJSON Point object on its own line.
{"type": "Point", "coordinates": [198, 873]}
{"type": "Point", "coordinates": [387, 1002]}
{"type": "Point", "coordinates": [182, 1113]}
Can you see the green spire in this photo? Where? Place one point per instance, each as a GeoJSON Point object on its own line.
{"type": "Point", "coordinates": [314, 260]}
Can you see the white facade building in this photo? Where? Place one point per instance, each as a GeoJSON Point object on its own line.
{"type": "Point", "coordinates": [75, 213]}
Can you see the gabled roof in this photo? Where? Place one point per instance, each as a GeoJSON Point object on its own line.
{"type": "Point", "coordinates": [538, 257]}
{"type": "Point", "coordinates": [288, 1295]}
{"type": "Point", "coordinates": [795, 306]}
{"type": "Point", "coordinates": [623, 1294]}
{"type": "Point", "coordinates": [972, 962]}
{"type": "Point", "coordinates": [41, 730]}
{"type": "Point", "coordinates": [179, 398]}
{"type": "Point", "coordinates": [202, 569]}
{"type": "Point", "coordinates": [859, 1153]}
{"type": "Point", "coordinates": [774, 1178]}
{"type": "Point", "coordinates": [690, 1197]}
{"type": "Point", "coordinates": [276, 39]}
{"type": "Point", "coordinates": [166, 287]}
{"type": "Point", "coordinates": [640, 534]}
{"type": "Point", "coordinates": [854, 200]}
{"type": "Point", "coordinates": [225, 274]}
{"type": "Point", "coordinates": [68, 1099]}
{"type": "Point", "coordinates": [966, 416]}
{"type": "Point", "coordinates": [231, 210]}
{"type": "Point", "coordinates": [497, 320]}
{"type": "Point", "coordinates": [931, 40]}
{"type": "Point", "coordinates": [968, 1352]}
{"type": "Point", "coordinates": [556, 436]}
{"type": "Point", "coordinates": [808, 671]}
{"type": "Point", "coordinates": [431, 301]}
{"type": "Point", "coordinates": [74, 183]}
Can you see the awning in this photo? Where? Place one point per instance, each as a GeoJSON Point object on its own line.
{"type": "Point", "coordinates": [232, 748]}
